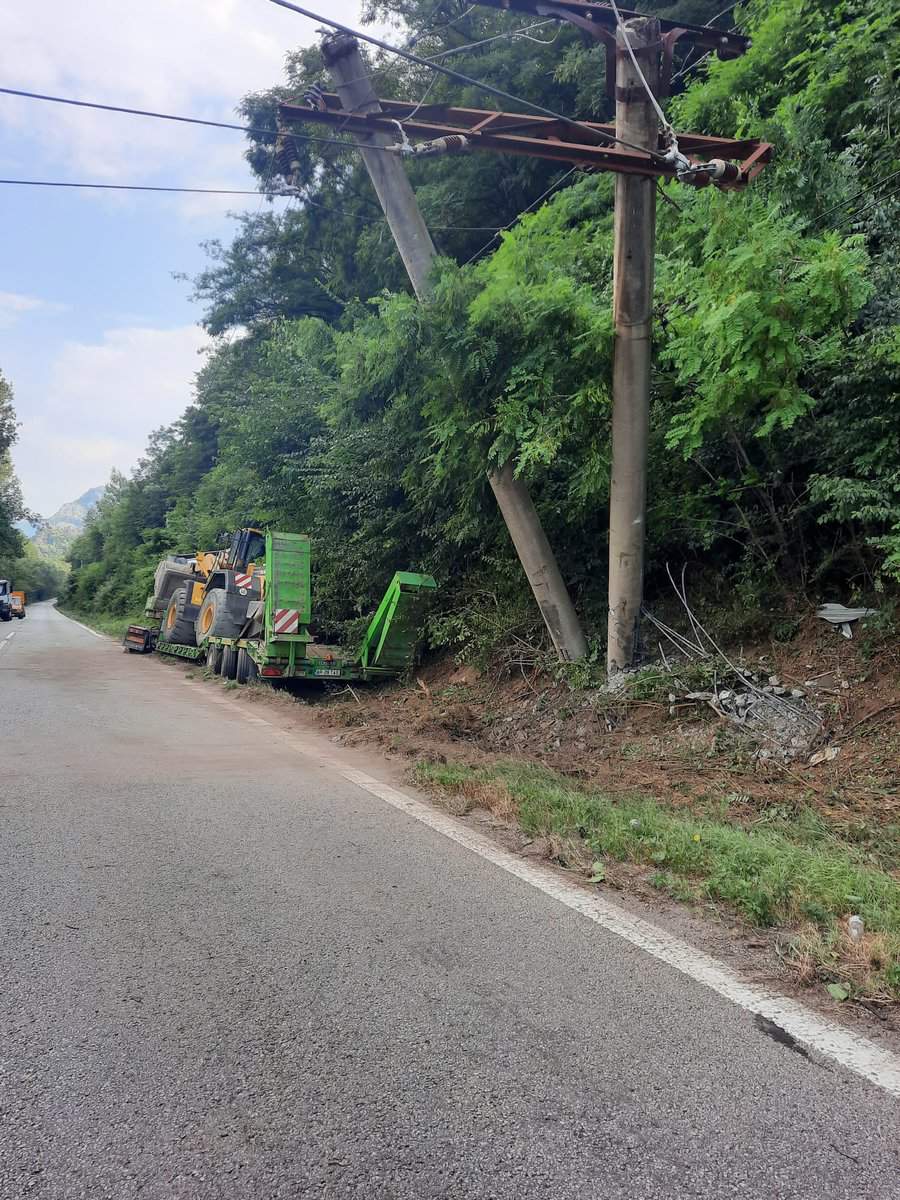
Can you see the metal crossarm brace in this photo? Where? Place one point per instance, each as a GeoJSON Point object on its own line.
{"type": "Point", "coordinates": [524, 134]}
{"type": "Point", "coordinates": [593, 17]}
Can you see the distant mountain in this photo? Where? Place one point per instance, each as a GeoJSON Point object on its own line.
{"type": "Point", "coordinates": [58, 533]}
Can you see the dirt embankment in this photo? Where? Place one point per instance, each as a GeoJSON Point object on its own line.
{"type": "Point", "coordinates": [666, 746]}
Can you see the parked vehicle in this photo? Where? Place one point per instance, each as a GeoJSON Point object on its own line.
{"type": "Point", "coordinates": [250, 619]}
{"type": "Point", "coordinates": [17, 604]}
{"type": "Point", "coordinates": [5, 600]}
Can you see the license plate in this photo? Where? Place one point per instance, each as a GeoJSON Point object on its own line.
{"type": "Point", "coordinates": [328, 671]}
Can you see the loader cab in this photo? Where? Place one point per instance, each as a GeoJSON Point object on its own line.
{"type": "Point", "coordinates": [247, 546]}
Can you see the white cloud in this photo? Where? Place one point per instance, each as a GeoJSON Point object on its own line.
{"type": "Point", "coordinates": [101, 401]}
{"type": "Point", "coordinates": [88, 405]}
{"type": "Point", "coordinates": [197, 57]}
{"type": "Point", "coordinates": [13, 305]}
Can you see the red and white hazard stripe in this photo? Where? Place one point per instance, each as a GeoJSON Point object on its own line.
{"type": "Point", "coordinates": [287, 620]}
{"type": "Point", "coordinates": [243, 581]}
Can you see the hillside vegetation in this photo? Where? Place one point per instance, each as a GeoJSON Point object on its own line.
{"type": "Point", "coordinates": [55, 535]}
{"type": "Point", "coordinates": [341, 407]}
{"type": "Point", "coordinates": [19, 561]}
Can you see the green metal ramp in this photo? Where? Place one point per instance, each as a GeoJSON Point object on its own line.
{"type": "Point", "coordinates": [390, 641]}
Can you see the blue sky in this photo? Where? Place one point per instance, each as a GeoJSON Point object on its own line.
{"type": "Point", "coordinates": [97, 338]}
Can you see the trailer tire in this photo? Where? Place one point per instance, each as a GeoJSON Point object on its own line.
{"type": "Point", "coordinates": [229, 662]}
{"type": "Point", "coordinates": [214, 619]}
{"type": "Point", "coordinates": [247, 670]}
{"type": "Point", "coordinates": [214, 659]}
{"type": "Point", "coordinates": [177, 625]}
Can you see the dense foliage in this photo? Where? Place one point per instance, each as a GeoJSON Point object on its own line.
{"type": "Point", "coordinates": [19, 562]}
{"type": "Point", "coordinates": [11, 506]}
{"type": "Point", "coordinates": [340, 406]}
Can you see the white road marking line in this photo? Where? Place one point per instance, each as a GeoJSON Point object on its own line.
{"type": "Point", "coordinates": [86, 628]}
{"type": "Point", "coordinates": [842, 1045]}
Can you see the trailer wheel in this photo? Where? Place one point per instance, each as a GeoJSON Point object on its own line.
{"type": "Point", "coordinates": [247, 670]}
{"type": "Point", "coordinates": [177, 626]}
{"type": "Point", "coordinates": [214, 659]}
{"type": "Point", "coordinates": [214, 619]}
{"type": "Point", "coordinates": [229, 662]}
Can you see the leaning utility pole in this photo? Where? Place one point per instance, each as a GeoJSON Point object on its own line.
{"type": "Point", "coordinates": [389, 179]}
{"type": "Point", "coordinates": [397, 199]}
{"type": "Point", "coordinates": [634, 243]}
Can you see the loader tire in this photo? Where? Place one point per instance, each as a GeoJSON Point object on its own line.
{"type": "Point", "coordinates": [214, 659]}
{"type": "Point", "coordinates": [247, 670]}
{"type": "Point", "coordinates": [214, 619]}
{"type": "Point", "coordinates": [229, 662]}
{"type": "Point", "coordinates": [177, 626]}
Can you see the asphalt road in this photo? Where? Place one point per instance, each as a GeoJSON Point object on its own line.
{"type": "Point", "coordinates": [227, 973]}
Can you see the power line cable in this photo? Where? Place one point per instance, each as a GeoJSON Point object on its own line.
{"type": "Point", "coordinates": [684, 169]}
{"type": "Point", "coordinates": [416, 36]}
{"type": "Point", "coordinates": [723, 13]}
{"type": "Point", "coordinates": [703, 57]}
{"type": "Point", "coordinates": [866, 207]}
{"type": "Point", "coordinates": [281, 195]}
{"type": "Point", "coordinates": [509, 34]}
{"type": "Point", "coordinates": [497, 37]}
{"type": "Point", "coordinates": [459, 77]}
{"type": "Point", "coordinates": [145, 187]}
{"type": "Point", "coordinates": [663, 120]}
{"type": "Point", "coordinates": [162, 116]}
{"type": "Point", "coordinates": [688, 65]}
{"type": "Point", "coordinates": [856, 195]}
{"type": "Point", "coordinates": [519, 215]}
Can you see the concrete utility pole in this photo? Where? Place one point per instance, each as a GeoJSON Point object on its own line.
{"type": "Point", "coordinates": [389, 179]}
{"type": "Point", "coordinates": [635, 236]}
{"type": "Point", "coordinates": [395, 194]}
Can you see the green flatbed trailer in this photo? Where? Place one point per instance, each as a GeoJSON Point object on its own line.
{"type": "Point", "coordinates": [281, 646]}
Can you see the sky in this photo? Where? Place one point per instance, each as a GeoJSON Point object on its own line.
{"type": "Point", "coordinates": [97, 338]}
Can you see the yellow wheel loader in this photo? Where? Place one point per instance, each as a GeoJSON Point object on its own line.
{"type": "Point", "coordinates": [208, 595]}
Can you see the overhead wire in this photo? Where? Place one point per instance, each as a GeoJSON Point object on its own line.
{"type": "Point", "coordinates": [163, 116]}
{"type": "Point", "coordinates": [688, 64]}
{"type": "Point", "coordinates": [663, 119]}
{"type": "Point", "coordinates": [851, 217]}
{"type": "Point", "coordinates": [856, 195]}
{"type": "Point", "coordinates": [459, 77]}
{"type": "Point", "coordinates": [417, 35]}
{"type": "Point", "coordinates": [282, 194]}
{"type": "Point", "coordinates": [534, 203]}
{"type": "Point", "coordinates": [497, 37]}
{"type": "Point", "coordinates": [509, 34]}
{"type": "Point", "coordinates": [146, 187]}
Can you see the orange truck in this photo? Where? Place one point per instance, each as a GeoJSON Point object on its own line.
{"type": "Point", "coordinates": [17, 604]}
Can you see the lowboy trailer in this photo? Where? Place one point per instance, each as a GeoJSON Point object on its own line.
{"type": "Point", "coordinates": [274, 641]}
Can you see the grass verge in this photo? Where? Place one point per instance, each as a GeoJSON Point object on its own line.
{"type": "Point", "coordinates": [805, 886]}
{"type": "Point", "coordinates": [103, 622]}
